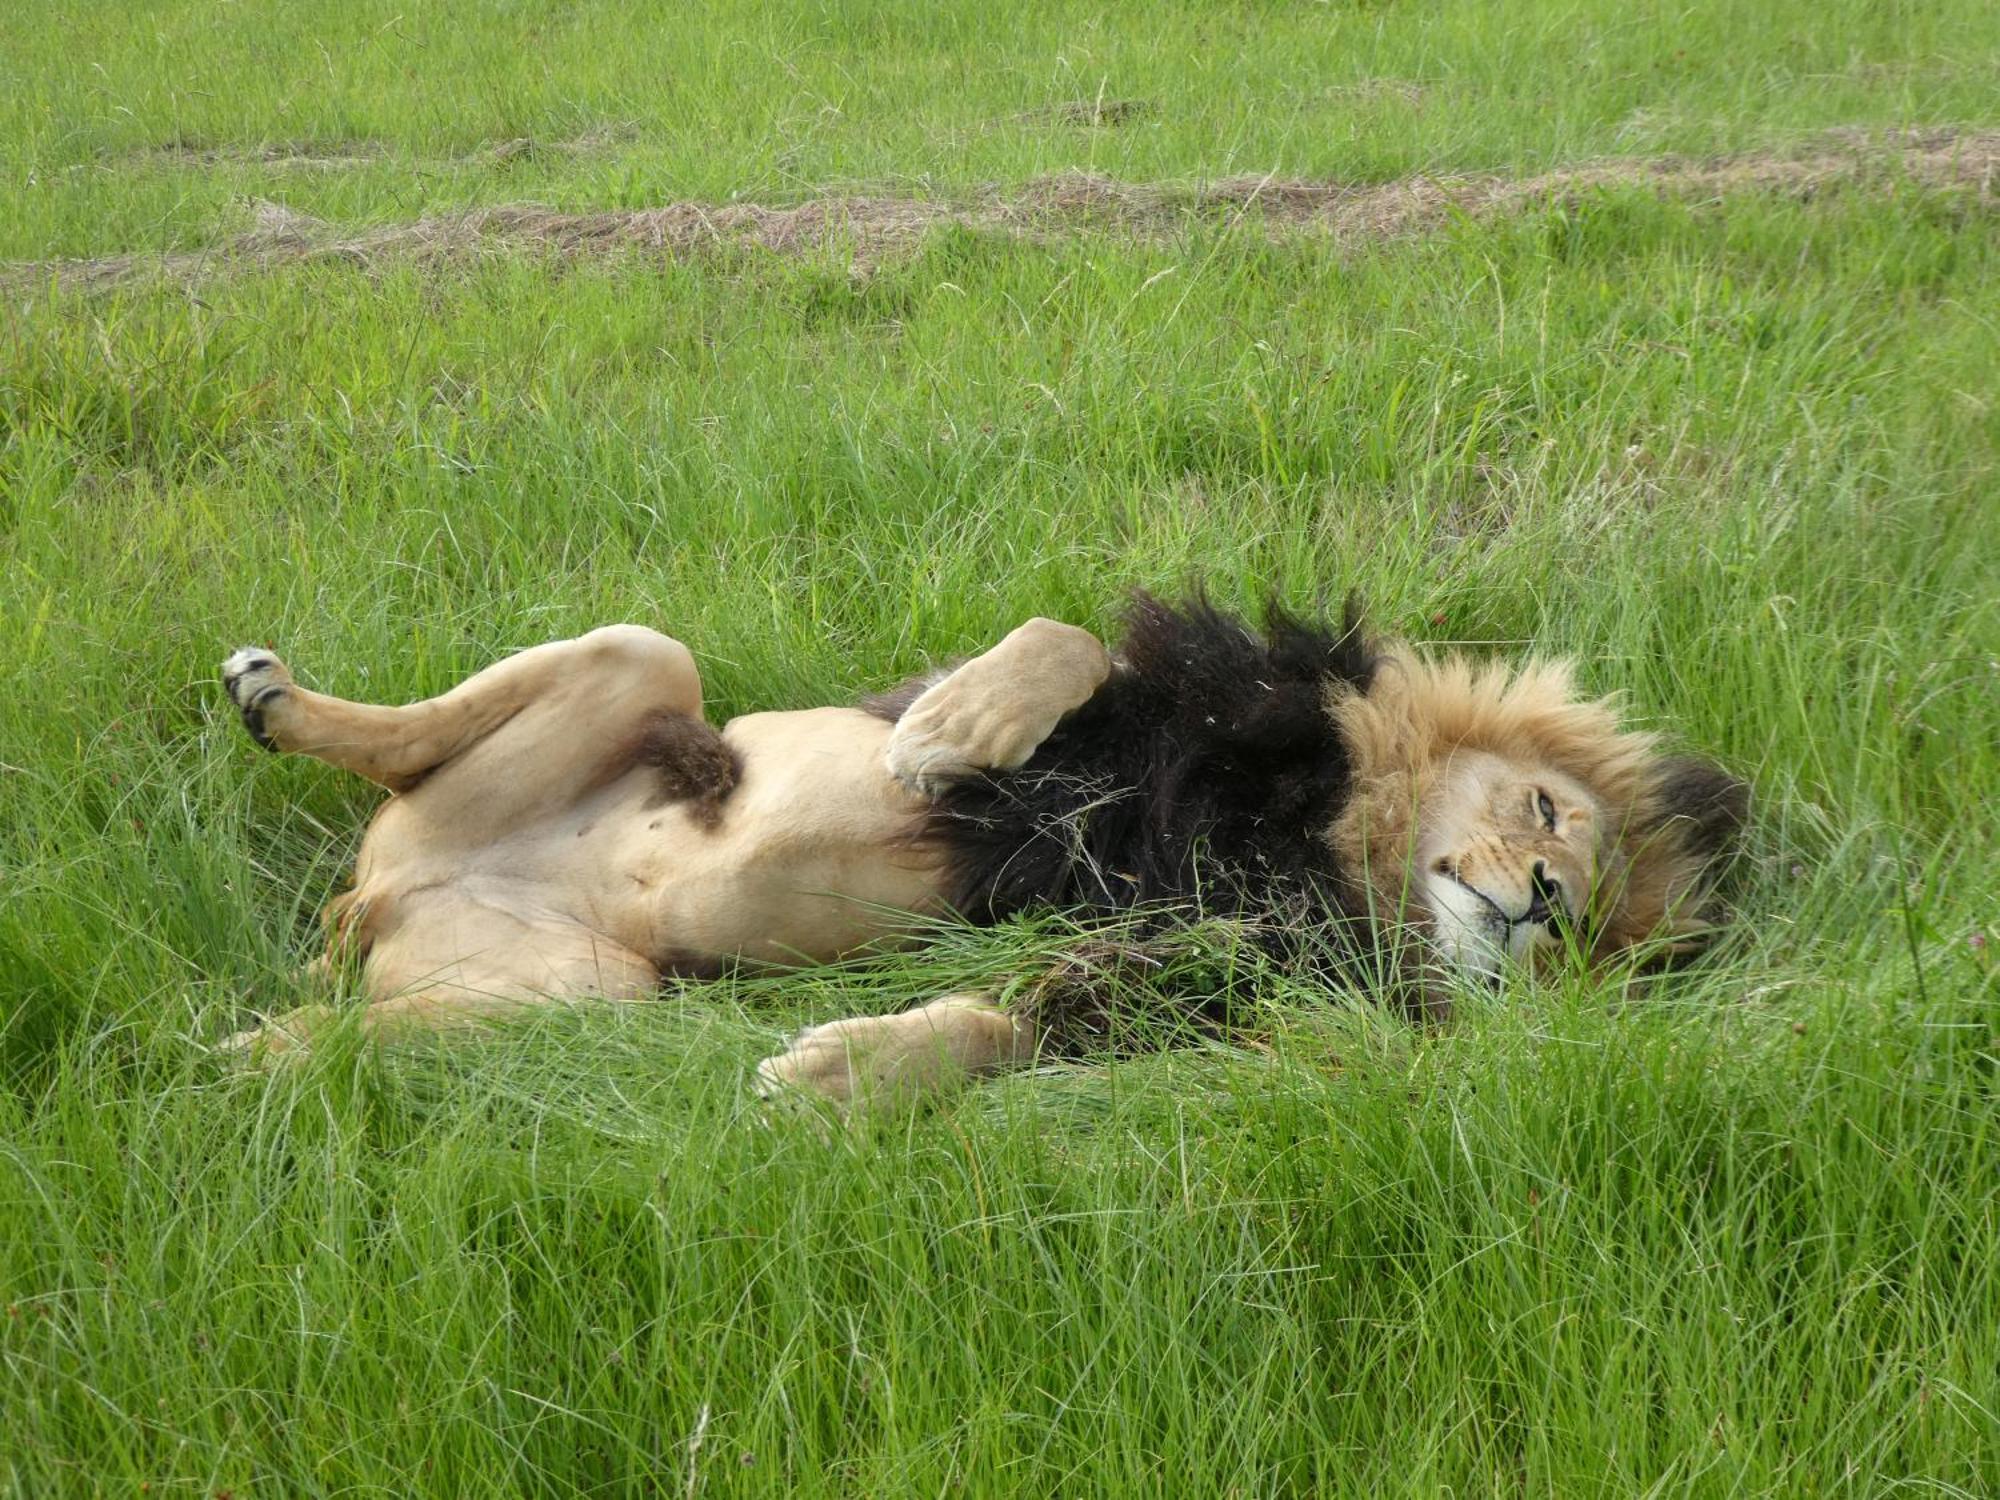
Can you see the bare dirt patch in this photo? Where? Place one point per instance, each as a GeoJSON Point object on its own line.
{"type": "Point", "coordinates": [329, 156]}
{"type": "Point", "coordinates": [310, 156]}
{"type": "Point", "coordinates": [871, 230]}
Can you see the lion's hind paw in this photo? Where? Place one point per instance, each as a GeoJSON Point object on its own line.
{"type": "Point", "coordinates": [257, 682]}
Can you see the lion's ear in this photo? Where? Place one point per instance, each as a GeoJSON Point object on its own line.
{"type": "Point", "coordinates": [1699, 806]}
{"type": "Point", "coordinates": [1684, 829]}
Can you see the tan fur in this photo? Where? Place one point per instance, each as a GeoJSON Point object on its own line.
{"type": "Point", "coordinates": [995, 711]}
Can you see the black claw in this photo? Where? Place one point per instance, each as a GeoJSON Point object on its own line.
{"type": "Point", "coordinates": [254, 722]}
{"type": "Point", "coordinates": [233, 680]}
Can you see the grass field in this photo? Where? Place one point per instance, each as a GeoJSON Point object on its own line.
{"type": "Point", "coordinates": [1734, 449]}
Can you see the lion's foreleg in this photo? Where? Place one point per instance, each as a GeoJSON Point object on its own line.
{"type": "Point", "coordinates": [993, 713]}
{"type": "Point", "coordinates": [904, 1057]}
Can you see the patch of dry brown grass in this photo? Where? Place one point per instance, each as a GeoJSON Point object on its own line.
{"type": "Point", "coordinates": [874, 229]}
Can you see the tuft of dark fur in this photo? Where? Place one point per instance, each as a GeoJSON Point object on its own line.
{"type": "Point", "coordinates": [1707, 809]}
{"type": "Point", "coordinates": [1138, 990]}
{"type": "Point", "coordinates": [1202, 776]}
{"type": "Point", "coordinates": [1710, 804]}
{"type": "Point", "coordinates": [695, 763]}
{"type": "Point", "coordinates": [899, 700]}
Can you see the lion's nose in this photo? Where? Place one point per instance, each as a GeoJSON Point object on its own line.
{"type": "Point", "coordinates": [1544, 894]}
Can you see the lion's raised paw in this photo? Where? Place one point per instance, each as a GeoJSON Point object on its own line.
{"type": "Point", "coordinates": [257, 682]}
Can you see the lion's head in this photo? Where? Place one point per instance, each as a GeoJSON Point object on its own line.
{"type": "Point", "coordinates": [1511, 820]}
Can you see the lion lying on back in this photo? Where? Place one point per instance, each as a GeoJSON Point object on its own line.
{"type": "Point", "coordinates": [566, 824]}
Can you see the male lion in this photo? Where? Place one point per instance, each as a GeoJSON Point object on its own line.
{"type": "Point", "coordinates": [566, 824]}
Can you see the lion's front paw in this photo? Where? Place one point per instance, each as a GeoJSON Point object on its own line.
{"type": "Point", "coordinates": [258, 685]}
{"type": "Point", "coordinates": [881, 1059]}
{"type": "Point", "coordinates": [820, 1060]}
{"type": "Point", "coordinates": [955, 731]}
{"type": "Point", "coordinates": [993, 713]}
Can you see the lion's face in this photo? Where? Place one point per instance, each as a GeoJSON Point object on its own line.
{"type": "Point", "coordinates": [1509, 856]}
{"type": "Point", "coordinates": [1511, 820]}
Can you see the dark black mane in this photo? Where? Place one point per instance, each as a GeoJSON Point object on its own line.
{"type": "Point", "coordinates": [1203, 774]}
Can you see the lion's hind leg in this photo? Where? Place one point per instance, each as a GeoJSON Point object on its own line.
{"type": "Point", "coordinates": [463, 965]}
{"type": "Point", "coordinates": [580, 689]}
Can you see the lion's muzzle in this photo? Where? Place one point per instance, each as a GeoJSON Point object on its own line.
{"type": "Point", "coordinates": [1503, 898]}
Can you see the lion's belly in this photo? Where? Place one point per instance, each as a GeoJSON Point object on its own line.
{"type": "Point", "coordinates": [810, 859]}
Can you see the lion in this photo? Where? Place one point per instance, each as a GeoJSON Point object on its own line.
{"type": "Point", "coordinates": [566, 825]}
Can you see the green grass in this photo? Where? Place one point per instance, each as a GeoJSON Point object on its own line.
{"type": "Point", "coordinates": [1737, 1236]}
{"type": "Point", "coordinates": [128, 125]}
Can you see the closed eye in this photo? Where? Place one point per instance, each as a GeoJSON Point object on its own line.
{"type": "Point", "coordinates": [1547, 809]}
